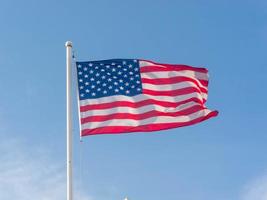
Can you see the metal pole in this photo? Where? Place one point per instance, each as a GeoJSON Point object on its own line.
{"type": "Point", "coordinates": [68, 46]}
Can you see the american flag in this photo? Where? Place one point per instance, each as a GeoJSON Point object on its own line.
{"type": "Point", "coordinates": [130, 95]}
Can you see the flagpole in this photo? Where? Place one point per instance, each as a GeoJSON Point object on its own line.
{"type": "Point", "coordinates": [68, 46]}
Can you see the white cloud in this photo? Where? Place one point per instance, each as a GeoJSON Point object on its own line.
{"type": "Point", "coordinates": [29, 175]}
{"type": "Point", "coordinates": [256, 189]}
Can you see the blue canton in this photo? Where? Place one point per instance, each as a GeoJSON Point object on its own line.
{"type": "Point", "coordinates": [108, 77]}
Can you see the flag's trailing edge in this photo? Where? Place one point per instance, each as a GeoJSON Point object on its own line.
{"type": "Point", "coordinates": [130, 95]}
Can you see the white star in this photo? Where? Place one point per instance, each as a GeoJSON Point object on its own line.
{"type": "Point", "coordinates": [97, 74]}
{"type": "Point", "coordinates": [125, 69]}
{"type": "Point", "coordinates": [108, 73]}
{"type": "Point", "coordinates": [108, 66]}
{"type": "Point", "coordinates": [112, 63]}
{"type": "Point", "coordinates": [85, 69]}
{"type": "Point", "coordinates": [79, 66]}
{"type": "Point", "coordinates": [110, 87]}
{"type": "Point", "coordinates": [98, 89]}
{"type": "Point", "coordinates": [135, 61]}
{"type": "Point", "coordinates": [81, 87]}
{"type": "Point", "coordinates": [125, 76]}
{"type": "Point", "coordinates": [92, 79]}
{"type": "Point", "coordinates": [130, 66]}
{"type": "Point", "coordinates": [124, 62]}
{"type": "Point", "coordinates": [102, 70]}
{"type": "Point", "coordinates": [82, 95]}
{"type": "Point", "coordinates": [138, 89]}
{"type": "Point", "coordinates": [93, 86]}
{"type": "Point", "coordinates": [104, 84]}
{"type": "Point", "coordinates": [103, 77]}
{"type": "Point", "coordinates": [80, 73]}
{"type": "Point", "coordinates": [121, 88]}
{"type": "Point", "coordinates": [90, 64]}
{"type": "Point", "coordinates": [86, 83]}
{"type": "Point", "coordinates": [96, 67]}
{"type": "Point", "coordinates": [101, 64]}
{"type": "Point", "coordinates": [119, 72]}
{"type": "Point", "coordinates": [93, 94]}
{"type": "Point", "coordinates": [80, 80]}
{"type": "Point", "coordinates": [119, 66]}
{"type": "Point", "coordinates": [87, 91]}
{"type": "Point", "coordinates": [115, 77]}
{"type": "Point", "coordinates": [131, 78]}
{"type": "Point", "coordinates": [137, 82]}
{"type": "Point", "coordinates": [86, 76]}
{"type": "Point", "coordinates": [91, 71]}
{"type": "Point", "coordinates": [120, 80]}
{"type": "Point", "coordinates": [116, 90]}
{"type": "Point", "coordinates": [136, 69]}
{"type": "Point", "coordinates": [126, 84]}
{"type": "Point", "coordinates": [131, 73]}
{"type": "Point", "coordinates": [104, 92]}
{"type": "Point", "coordinates": [136, 75]}
{"type": "Point", "coordinates": [127, 91]}
{"type": "Point", "coordinates": [97, 82]}
{"type": "Point", "coordinates": [109, 79]}
{"type": "Point", "coordinates": [115, 83]}
{"type": "Point", "coordinates": [133, 86]}
{"type": "Point", "coordinates": [113, 69]}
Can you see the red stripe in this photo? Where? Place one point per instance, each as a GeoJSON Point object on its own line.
{"type": "Point", "coordinates": [144, 128]}
{"type": "Point", "coordinates": [137, 104]}
{"type": "Point", "coordinates": [175, 67]}
{"type": "Point", "coordinates": [153, 113]}
{"type": "Point", "coordinates": [156, 68]}
{"type": "Point", "coordinates": [172, 93]}
{"type": "Point", "coordinates": [173, 80]}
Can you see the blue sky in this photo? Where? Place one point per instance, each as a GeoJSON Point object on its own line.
{"type": "Point", "coordinates": [223, 158]}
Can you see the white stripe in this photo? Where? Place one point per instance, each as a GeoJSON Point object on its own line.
{"type": "Point", "coordinates": [163, 84]}
{"type": "Point", "coordinates": [139, 110]}
{"type": "Point", "coordinates": [152, 120]}
{"type": "Point", "coordinates": [187, 73]}
{"type": "Point", "coordinates": [169, 87]}
{"type": "Point", "coordinates": [169, 74]}
{"type": "Point", "coordinates": [138, 98]}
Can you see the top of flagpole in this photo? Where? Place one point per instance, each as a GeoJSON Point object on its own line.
{"type": "Point", "coordinates": [68, 44]}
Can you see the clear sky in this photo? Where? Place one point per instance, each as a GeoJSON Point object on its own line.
{"type": "Point", "coordinates": [223, 158]}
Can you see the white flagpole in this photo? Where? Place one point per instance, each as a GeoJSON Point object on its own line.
{"type": "Point", "coordinates": [68, 46]}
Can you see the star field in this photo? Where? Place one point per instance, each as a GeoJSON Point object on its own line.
{"type": "Point", "coordinates": [108, 77]}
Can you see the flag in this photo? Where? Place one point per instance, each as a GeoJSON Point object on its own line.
{"type": "Point", "coordinates": [130, 95]}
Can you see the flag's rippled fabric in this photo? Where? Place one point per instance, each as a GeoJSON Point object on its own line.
{"type": "Point", "coordinates": [129, 95]}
